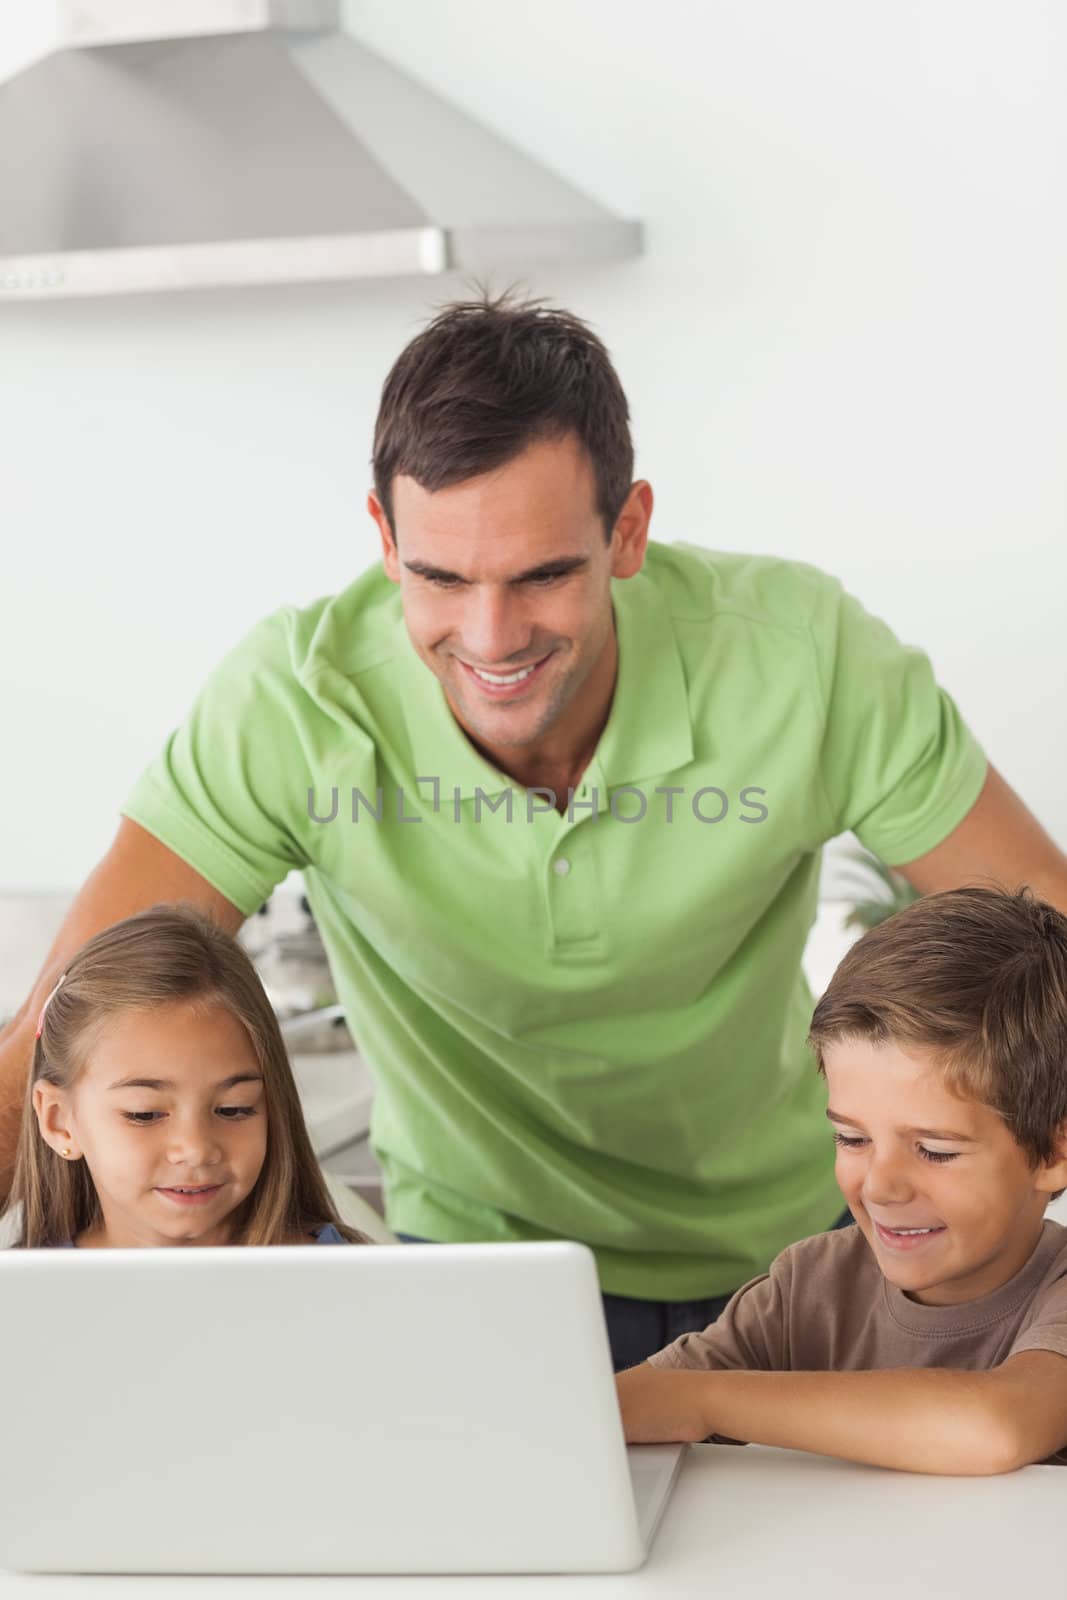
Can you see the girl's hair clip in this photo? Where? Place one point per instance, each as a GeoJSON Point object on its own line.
{"type": "Point", "coordinates": [44, 1008]}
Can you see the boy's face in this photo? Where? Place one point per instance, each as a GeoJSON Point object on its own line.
{"type": "Point", "coordinates": [910, 1155]}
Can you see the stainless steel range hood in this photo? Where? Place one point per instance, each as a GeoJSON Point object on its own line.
{"type": "Point", "coordinates": [170, 144]}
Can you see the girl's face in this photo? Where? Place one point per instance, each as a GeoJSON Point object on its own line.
{"type": "Point", "coordinates": [169, 1116]}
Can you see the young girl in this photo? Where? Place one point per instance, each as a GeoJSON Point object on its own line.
{"type": "Point", "coordinates": [161, 1107]}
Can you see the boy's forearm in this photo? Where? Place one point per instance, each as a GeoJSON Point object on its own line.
{"type": "Point", "coordinates": [913, 1419]}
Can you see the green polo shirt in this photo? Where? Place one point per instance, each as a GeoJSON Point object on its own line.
{"type": "Point", "coordinates": [587, 1026]}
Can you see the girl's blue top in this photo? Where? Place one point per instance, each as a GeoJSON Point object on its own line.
{"type": "Point", "coordinates": [327, 1234]}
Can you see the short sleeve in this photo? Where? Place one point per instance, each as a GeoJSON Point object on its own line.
{"type": "Point", "coordinates": [897, 765]}
{"type": "Point", "coordinates": [1046, 1327]}
{"type": "Point", "coordinates": [222, 791]}
{"type": "Point", "coordinates": [749, 1335]}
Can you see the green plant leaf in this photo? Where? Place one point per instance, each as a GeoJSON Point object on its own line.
{"type": "Point", "coordinates": [883, 891]}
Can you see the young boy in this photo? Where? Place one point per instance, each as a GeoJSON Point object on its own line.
{"type": "Point", "coordinates": [932, 1337]}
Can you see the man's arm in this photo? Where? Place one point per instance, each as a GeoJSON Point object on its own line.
{"type": "Point", "coordinates": [965, 1424]}
{"type": "Point", "coordinates": [138, 871]}
{"type": "Point", "coordinates": [998, 838]}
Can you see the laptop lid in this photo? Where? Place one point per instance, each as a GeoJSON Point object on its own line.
{"type": "Point", "coordinates": [412, 1408]}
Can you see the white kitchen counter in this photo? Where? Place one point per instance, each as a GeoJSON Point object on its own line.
{"type": "Point", "coordinates": [742, 1524]}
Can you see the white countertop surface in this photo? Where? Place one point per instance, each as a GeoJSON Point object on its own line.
{"type": "Point", "coordinates": [747, 1523]}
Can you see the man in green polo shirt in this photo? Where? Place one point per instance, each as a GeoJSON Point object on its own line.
{"type": "Point", "coordinates": [558, 795]}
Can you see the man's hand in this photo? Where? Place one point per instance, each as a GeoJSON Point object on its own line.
{"type": "Point", "coordinates": [661, 1405]}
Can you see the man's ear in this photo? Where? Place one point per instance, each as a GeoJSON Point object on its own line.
{"type": "Point", "coordinates": [52, 1108]}
{"type": "Point", "coordinates": [390, 558]}
{"type": "Point", "coordinates": [629, 537]}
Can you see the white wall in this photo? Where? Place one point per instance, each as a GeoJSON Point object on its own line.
{"type": "Point", "coordinates": [845, 344]}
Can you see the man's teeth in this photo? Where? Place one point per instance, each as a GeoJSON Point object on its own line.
{"type": "Point", "coordinates": [514, 677]}
{"type": "Point", "coordinates": [911, 1230]}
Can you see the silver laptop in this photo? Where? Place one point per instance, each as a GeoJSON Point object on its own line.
{"type": "Point", "coordinates": [388, 1409]}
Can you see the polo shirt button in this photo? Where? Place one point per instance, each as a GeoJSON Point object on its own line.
{"type": "Point", "coordinates": [561, 866]}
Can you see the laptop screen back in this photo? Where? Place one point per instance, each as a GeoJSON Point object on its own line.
{"type": "Point", "coordinates": [410, 1408]}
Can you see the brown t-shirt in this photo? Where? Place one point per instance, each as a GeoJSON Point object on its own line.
{"type": "Point", "coordinates": [824, 1306]}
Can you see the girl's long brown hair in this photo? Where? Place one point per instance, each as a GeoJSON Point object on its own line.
{"type": "Point", "coordinates": [162, 956]}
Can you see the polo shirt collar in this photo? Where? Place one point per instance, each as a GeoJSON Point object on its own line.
{"type": "Point", "coordinates": [648, 731]}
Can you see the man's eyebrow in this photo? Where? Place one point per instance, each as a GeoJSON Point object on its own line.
{"type": "Point", "coordinates": [926, 1133]}
{"type": "Point", "coordinates": [545, 569]}
{"type": "Point", "coordinates": [166, 1083]}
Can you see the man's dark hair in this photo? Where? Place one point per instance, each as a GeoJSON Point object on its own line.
{"type": "Point", "coordinates": [488, 377]}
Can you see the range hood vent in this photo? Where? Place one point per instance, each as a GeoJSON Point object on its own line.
{"type": "Point", "coordinates": [173, 144]}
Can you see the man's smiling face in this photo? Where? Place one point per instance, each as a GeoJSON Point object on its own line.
{"type": "Point", "coordinates": [505, 585]}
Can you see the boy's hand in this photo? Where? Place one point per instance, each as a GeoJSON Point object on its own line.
{"type": "Point", "coordinates": [661, 1405]}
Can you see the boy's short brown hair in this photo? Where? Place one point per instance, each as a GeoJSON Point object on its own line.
{"type": "Point", "coordinates": [977, 978]}
{"type": "Point", "coordinates": [488, 377]}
